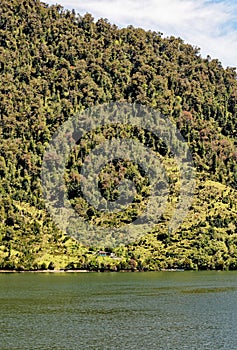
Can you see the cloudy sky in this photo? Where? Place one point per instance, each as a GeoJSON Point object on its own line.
{"type": "Point", "coordinates": [210, 25]}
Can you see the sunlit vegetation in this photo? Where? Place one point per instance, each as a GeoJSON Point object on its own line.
{"type": "Point", "coordinates": [54, 63]}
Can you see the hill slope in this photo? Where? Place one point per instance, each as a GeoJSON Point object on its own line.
{"type": "Point", "coordinates": [53, 64]}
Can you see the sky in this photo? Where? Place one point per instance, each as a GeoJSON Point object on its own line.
{"type": "Point", "coordinates": [209, 25]}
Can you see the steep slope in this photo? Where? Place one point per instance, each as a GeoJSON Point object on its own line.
{"type": "Point", "coordinates": [53, 64]}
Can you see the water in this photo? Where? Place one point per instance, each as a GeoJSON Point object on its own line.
{"type": "Point", "coordinates": [160, 310]}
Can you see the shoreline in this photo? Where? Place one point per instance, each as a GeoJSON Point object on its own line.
{"type": "Point", "coordinates": [58, 271]}
{"type": "Point", "coordinates": [88, 271]}
{"type": "Point", "coordinates": [43, 271]}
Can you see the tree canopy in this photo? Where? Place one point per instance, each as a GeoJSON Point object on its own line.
{"type": "Point", "coordinates": [54, 63]}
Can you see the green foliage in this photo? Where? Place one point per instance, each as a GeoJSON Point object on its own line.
{"type": "Point", "coordinates": [54, 63]}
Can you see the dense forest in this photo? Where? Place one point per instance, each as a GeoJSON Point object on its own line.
{"type": "Point", "coordinates": [55, 63]}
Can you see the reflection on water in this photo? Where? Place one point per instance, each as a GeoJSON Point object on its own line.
{"type": "Point", "coordinates": [160, 310]}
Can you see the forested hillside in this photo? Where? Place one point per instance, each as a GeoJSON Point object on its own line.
{"type": "Point", "coordinates": [53, 64]}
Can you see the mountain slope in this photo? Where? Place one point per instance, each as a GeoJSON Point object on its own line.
{"type": "Point", "coordinates": [53, 64]}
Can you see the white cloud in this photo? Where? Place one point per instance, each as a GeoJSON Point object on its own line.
{"type": "Point", "coordinates": [210, 25]}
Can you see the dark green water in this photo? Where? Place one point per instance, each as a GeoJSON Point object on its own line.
{"type": "Point", "coordinates": [164, 310]}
